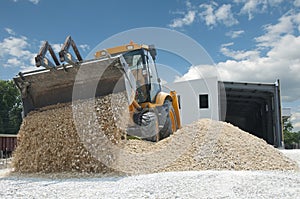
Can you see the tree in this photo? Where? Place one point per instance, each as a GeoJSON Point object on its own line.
{"type": "Point", "coordinates": [287, 125]}
{"type": "Point", "coordinates": [10, 108]}
{"type": "Point", "coordinates": [290, 138]}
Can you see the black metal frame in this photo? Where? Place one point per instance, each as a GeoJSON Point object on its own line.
{"type": "Point", "coordinates": [66, 56]}
{"type": "Point", "coordinates": [41, 60]}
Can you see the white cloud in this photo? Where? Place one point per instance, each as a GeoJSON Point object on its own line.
{"type": "Point", "coordinates": [275, 2]}
{"type": "Point", "coordinates": [228, 44]}
{"type": "Point", "coordinates": [34, 1]}
{"type": "Point", "coordinates": [281, 62]}
{"type": "Point", "coordinates": [31, 1]}
{"type": "Point", "coordinates": [297, 3]}
{"type": "Point", "coordinates": [13, 62]}
{"type": "Point", "coordinates": [14, 46]}
{"type": "Point", "coordinates": [235, 34]}
{"type": "Point", "coordinates": [239, 54]}
{"type": "Point", "coordinates": [84, 47]}
{"type": "Point", "coordinates": [275, 32]}
{"type": "Point", "coordinates": [251, 7]}
{"type": "Point", "coordinates": [188, 16]}
{"type": "Point", "coordinates": [208, 14]}
{"type": "Point", "coordinates": [56, 47]}
{"type": "Point", "coordinates": [296, 124]}
{"type": "Point", "coordinates": [212, 14]}
{"type": "Point", "coordinates": [296, 20]}
{"type": "Point", "coordinates": [29, 63]}
{"type": "Point", "coordinates": [15, 50]}
{"type": "Point", "coordinates": [295, 119]}
{"type": "Point", "coordinates": [224, 15]}
{"type": "Point", "coordinates": [10, 31]}
{"type": "Point", "coordinates": [199, 72]}
{"type": "Point", "coordinates": [27, 68]}
{"type": "Point", "coordinates": [187, 19]}
{"type": "Point", "coordinates": [288, 47]}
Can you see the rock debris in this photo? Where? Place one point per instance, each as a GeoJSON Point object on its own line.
{"type": "Point", "coordinates": [89, 136]}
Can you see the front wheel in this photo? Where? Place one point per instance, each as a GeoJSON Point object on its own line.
{"type": "Point", "coordinates": [149, 127]}
{"type": "Point", "coordinates": [170, 125]}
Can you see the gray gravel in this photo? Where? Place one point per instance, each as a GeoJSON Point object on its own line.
{"type": "Point", "coordinates": [185, 184]}
{"type": "Point", "coordinates": [226, 149]}
{"type": "Point", "coordinates": [188, 184]}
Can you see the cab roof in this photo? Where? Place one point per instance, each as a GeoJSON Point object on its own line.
{"type": "Point", "coordinates": [121, 49]}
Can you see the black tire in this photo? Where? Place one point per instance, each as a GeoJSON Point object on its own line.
{"type": "Point", "coordinates": [167, 130]}
{"type": "Point", "coordinates": [149, 127]}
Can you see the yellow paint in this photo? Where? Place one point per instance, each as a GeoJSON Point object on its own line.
{"type": "Point", "coordinates": [121, 49]}
{"type": "Point", "coordinates": [160, 98]}
{"type": "Point", "coordinates": [176, 108]}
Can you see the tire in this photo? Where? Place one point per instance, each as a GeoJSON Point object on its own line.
{"type": "Point", "coordinates": [167, 130]}
{"type": "Point", "coordinates": [149, 127]}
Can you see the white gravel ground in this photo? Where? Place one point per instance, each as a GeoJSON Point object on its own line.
{"type": "Point", "coordinates": [193, 184]}
{"type": "Point", "coordinates": [294, 154]}
{"type": "Point", "coordinates": [188, 184]}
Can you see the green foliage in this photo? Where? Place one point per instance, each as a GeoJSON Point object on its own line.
{"type": "Point", "coordinates": [10, 108]}
{"type": "Point", "coordinates": [290, 138]}
{"type": "Point", "coordinates": [287, 125]}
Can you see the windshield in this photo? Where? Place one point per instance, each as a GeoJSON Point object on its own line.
{"type": "Point", "coordinates": [134, 59]}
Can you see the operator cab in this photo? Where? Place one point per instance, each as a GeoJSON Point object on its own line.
{"type": "Point", "coordinates": [141, 61]}
{"type": "Point", "coordinates": [143, 68]}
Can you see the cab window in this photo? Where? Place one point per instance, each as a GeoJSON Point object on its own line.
{"type": "Point", "coordinates": [153, 77]}
{"type": "Point", "coordinates": [135, 62]}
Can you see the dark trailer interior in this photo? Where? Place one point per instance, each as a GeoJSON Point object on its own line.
{"type": "Point", "coordinates": [254, 108]}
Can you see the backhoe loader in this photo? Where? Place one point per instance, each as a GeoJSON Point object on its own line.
{"type": "Point", "coordinates": [129, 68]}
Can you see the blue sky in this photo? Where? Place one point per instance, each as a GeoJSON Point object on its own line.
{"type": "Point", "coordinates": [248, 40]}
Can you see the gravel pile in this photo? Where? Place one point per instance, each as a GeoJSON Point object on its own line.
{"type": "Point", "coordinates": [61, 138]}
{"type": "Point", "coordinates": [219, 145]}
{"type": "Point", "coordinates": [205, 145]}
{"type": "Point", "coordinates": [89, 136]}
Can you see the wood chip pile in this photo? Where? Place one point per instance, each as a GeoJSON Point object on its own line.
{"type": "Point", "coordinates": [57, 140]}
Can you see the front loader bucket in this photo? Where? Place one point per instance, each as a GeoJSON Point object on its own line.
{"type": "Point", "coordinates": [92, 78]}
